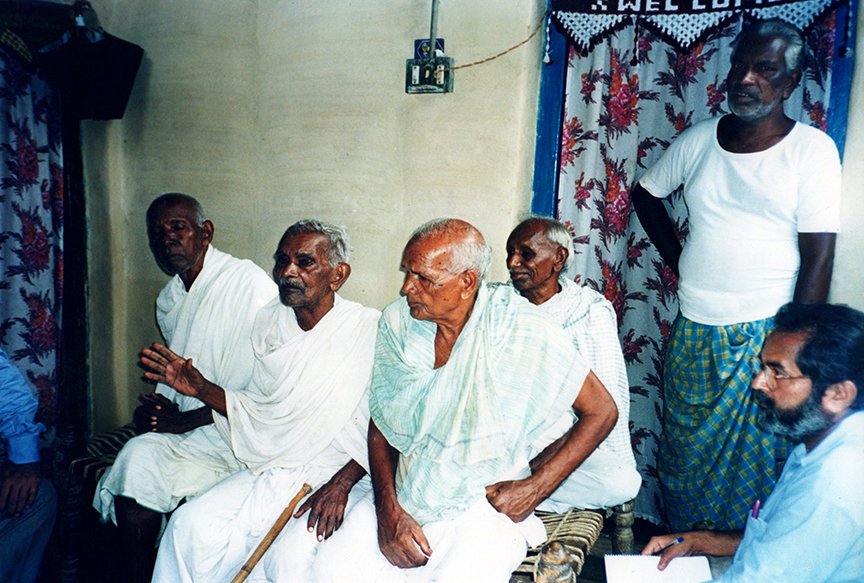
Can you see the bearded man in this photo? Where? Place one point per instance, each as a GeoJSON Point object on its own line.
{"type": "Point", "coordinates": [811, 527]}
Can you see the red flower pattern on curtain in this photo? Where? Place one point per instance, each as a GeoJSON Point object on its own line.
{"type": "Point", "coordinates": [31, 231]}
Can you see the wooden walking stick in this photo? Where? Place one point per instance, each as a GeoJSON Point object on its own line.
{"type": "Point", "coordinates": [271, 535]}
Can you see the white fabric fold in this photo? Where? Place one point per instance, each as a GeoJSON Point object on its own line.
{"type": "Point", "coordinates": [211, 322]}
{"type": "Point", "coordinates": [306, 386]}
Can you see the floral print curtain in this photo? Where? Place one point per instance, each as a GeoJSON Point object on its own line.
{"type": "Point", "coordinates": [31, 228]}
{"type": "Point", "coordinates": [624, 103]}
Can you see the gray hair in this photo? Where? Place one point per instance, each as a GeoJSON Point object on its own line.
{"type": "Point", "coordinates": [169, 198]}
{"type": "Point", "coordinates": [557, 234]}
{"type": "Point", "coordinates": [339, 249]}
{"type": "Point", "coordinates": [775, 27]}
{"type": "Point", "coordinates": [471, 253]}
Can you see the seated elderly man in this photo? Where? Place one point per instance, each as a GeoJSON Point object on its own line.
{"type": "Point", "coordinates": [204, 312]}
{"type": "Point", "coordinates": [465, 379]}
{"type": "Point", "coordinates": [298, 421]}
{"type": "Point", "coordinates": [809, 389]}
{"type": "Point", "coordinates": [538, 255]}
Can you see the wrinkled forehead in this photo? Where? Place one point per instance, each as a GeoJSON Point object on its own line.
{"type": "Point", "coordinates": [433, 253]}
{"type": "Point", "coordinates": [315, 244]}
{"type": "Point", "coordinates": [530, 234]}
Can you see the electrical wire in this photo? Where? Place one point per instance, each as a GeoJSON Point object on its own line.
{"type": "Point", "coordinates": [504, 52]}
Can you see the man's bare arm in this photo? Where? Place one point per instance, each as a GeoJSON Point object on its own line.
{"type": "Point", "coordinates": [817, 265]}
{"type": "Point", "coordinates": [159, 414]}
{"type": "Point", "coordinates": [657, 224]}
{"type": "Point", "coordinates": [717, 543]}
{"type": "Point", "coordinates": [326, 505]}
{"type": "Point", "coordinates": [400, 537]}
{"type": "Point", "coordinates": [597, 416]}
{"type": "Point", "coordinates": [162, 365]}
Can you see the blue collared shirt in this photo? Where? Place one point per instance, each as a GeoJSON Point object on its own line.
{"type": "Point", "coordinates": [811, 528]}
{"type": "Point", "coordinates": [17, 410]}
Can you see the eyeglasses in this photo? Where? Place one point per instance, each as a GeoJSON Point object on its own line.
{"type": "Point", "coordinates": [772, 376]}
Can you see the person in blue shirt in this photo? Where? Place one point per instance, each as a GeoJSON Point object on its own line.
{"type": "Point", "coordinates": [811, 527]}
{"type": "Point", "coordinates": [28, 503]}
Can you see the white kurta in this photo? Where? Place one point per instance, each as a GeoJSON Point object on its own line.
{"type": "Point", "coordinates": [212, 324]}
{"type": "Point", "coordinates": [608, 476]}
{"type": "Point", "coordinates": [298, 421]}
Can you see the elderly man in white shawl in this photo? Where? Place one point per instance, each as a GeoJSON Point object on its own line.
{"type": "Point", "coordinates": [538, 255]}
{"type": "Point", "coordinates": [465, 379]}
{"type": "Point", "coordinates": [302, 418]}
{"type": "Point", "coordinates": [205, 312]}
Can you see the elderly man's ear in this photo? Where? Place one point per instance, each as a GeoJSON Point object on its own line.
{"type": "Point", "coordinates": [340, 275]}
{"type": "Point", "coordinates": [838, 398]}
{"type": "Point", "coordinates": [561, 255]}
{"type": "Point", "coordinates": [470, 282]}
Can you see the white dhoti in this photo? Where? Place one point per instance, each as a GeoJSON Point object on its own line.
{"type": "Point", "coordinates": [605, 479]}
{"type": "Point", "coordinates": [158, 470]}
{"type": "Point", "coordinates": [481, 544]}
{"type": "Point", "coordinates": [294, 551]}
{"type": "Point", "coordinates": [209, 538]}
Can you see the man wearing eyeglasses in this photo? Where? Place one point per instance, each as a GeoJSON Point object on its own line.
{"type": "Point", "coordinates": [811, 527]}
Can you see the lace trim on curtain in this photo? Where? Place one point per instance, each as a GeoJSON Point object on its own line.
{"type": "Point", "coordinates": [588, 23]}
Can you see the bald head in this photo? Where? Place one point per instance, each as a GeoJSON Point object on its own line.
{"type": "Point", "coordinates": [179, 235]}
{"type": "Point", "coordinates": [467, 249]}
{"type": "Point", "coordinates": [189, 203]}
{"type": "Point", "coordinates": [538, 253]}
{"type": "Point", "coordinates": [444, 263]}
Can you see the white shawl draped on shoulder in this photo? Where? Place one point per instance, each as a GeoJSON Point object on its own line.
{"type": "Point", "coordinates": [212, 322]}
{"type": "Point", "coordinates": [306, 387]}
{"type": "Point", "coordinates": [468, 424]}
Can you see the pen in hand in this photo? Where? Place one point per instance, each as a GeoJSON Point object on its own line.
{"type": "Point", "coordinates": [678, 540]}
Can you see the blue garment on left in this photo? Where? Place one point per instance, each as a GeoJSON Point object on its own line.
{"type": "Point", "coordinates": [22, 538]}
{"type": "Point", "coordinates": [17, 409]}
{"type": "Point", "coordinates": [811, 527]}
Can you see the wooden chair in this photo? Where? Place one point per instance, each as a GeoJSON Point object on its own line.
{"type": "Point", "coordinates": [570, 538]}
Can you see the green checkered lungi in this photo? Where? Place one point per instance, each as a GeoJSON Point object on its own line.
{"type": "Point", "coordinates": [714, 460]}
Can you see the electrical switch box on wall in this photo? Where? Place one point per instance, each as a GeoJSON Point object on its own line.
{"type": "Point", "coordinates": [431, 75]}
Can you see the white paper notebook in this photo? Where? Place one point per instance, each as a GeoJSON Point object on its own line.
{"type": "Point", "coordinates": [643, 569]}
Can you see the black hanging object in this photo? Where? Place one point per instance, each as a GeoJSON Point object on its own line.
{"type": "Point", "coordinates": [93, 70]}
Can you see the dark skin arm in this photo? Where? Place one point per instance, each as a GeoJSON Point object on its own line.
{"type": "Point", "coordinates": [718, 543]}
{"type": "Point", "coordinates": [164, 366]}
{"type": "Point", "coordinates": [597, 416]}
{"type": "Point", "coordinates": [327, 503]}
{"type": "Point", "coordinates": [658, 225]}
{"type": "Point", "coordinates": [817, 264]}
{"type": "Point", "coordinates": [19, 488]}
{"type": "Point", "coordinates": [159, 414]}
{"type": "Point", "coordinates": [400, 537]}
